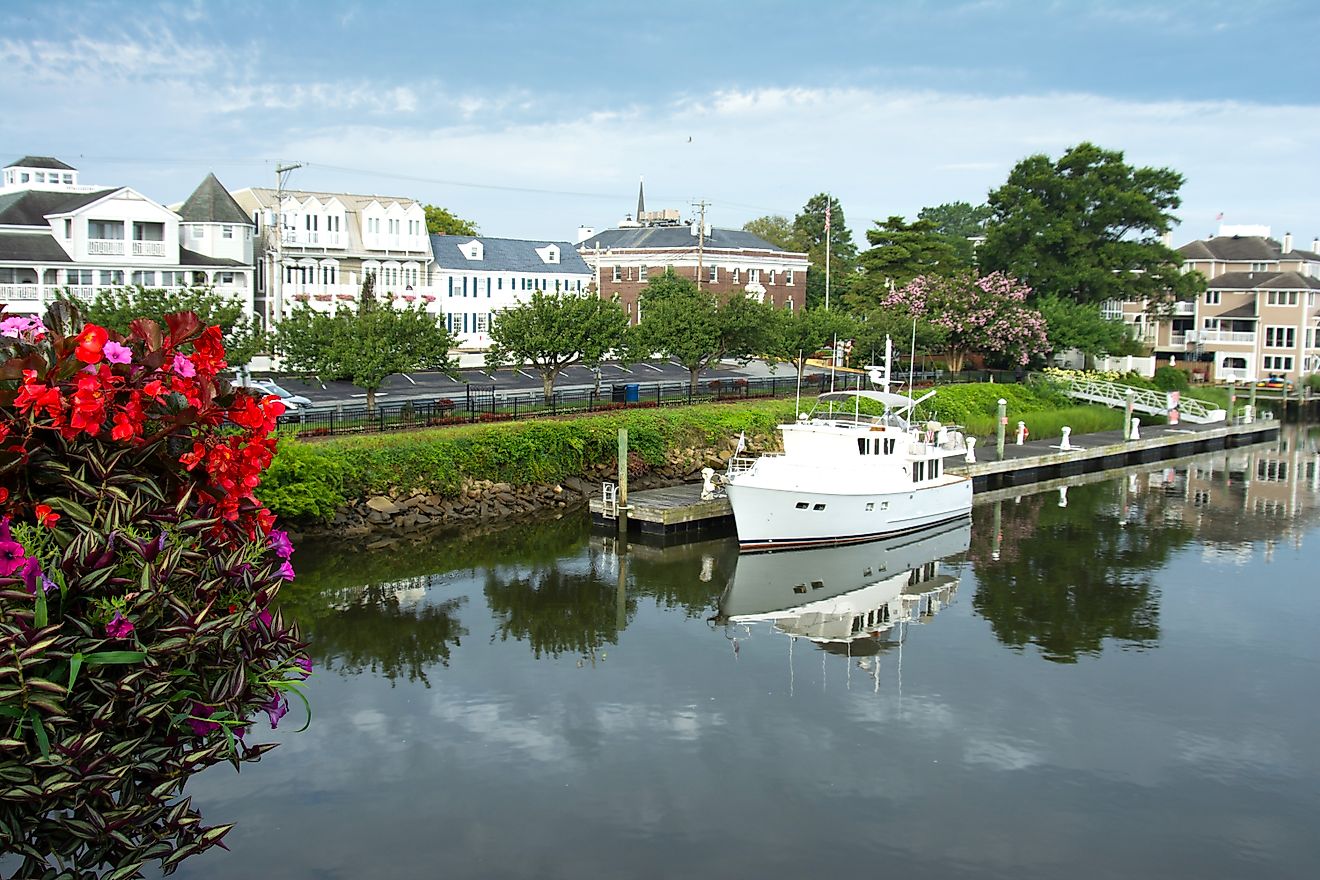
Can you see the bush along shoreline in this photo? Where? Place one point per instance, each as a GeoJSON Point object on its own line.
{"type": "Point", "coordinates": [356, 486]}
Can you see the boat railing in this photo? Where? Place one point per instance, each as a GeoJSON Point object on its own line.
{"type": "Point", "coordinates": [741, 463]}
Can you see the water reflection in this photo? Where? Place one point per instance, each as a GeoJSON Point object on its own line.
{"type": "Point", "coordinates": [851, 599]}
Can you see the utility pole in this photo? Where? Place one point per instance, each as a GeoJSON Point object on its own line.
{"type": "Point", "coordinates": [274, 295]}
{"type": "Point", "coordinates": [829, 199]}
{"type": "Point", "coordinates": [701, 242]}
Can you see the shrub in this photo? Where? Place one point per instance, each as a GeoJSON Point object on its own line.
{"type": "Point", "coordinates": [1171, 379]}
{"type": "Point", "coordinates": [137, 571]}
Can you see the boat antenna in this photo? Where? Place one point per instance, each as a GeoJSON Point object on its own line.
{"type": "Point", "coordinates": [912, 362]}
{"type": "Point", "coordinates": [797, 404]}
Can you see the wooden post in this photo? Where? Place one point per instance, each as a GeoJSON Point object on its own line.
{"type": "Point", "coordinates": [623, 481]}
{"type": "Point", "coordinates": [1127, 414]}
{"type": "Point", "coordinates": [1001, 425]}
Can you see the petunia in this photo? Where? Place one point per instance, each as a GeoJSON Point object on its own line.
{"type": "Point", "coordinates": [33, 575]}
{"type": "Point", "coordinates": [286, 571]}
{"type": "Point", "coordinates": [12, 554]}
{"type": "Point", "coordinates": [118, 354]}
{"type": "Point", "coordinates": [198, 722]}
{"type": "Point", "coordinates": [305, 664]}
{"type": "Point", "coordinates": [119, 627]}
{"type": "Point", "coordinates": [279, 541]}
{"type": "Point", "coordinates": [276, 709]}
{"type": "Point", "coordinates": [184, 367]}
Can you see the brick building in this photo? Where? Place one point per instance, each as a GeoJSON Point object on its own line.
{"type": "Point", "coordinates": [624, 258]}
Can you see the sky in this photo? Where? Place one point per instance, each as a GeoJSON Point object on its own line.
{"type": "Point", "coordinates": [534, 118]}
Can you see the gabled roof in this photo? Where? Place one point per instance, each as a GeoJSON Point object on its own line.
{"type": "Point", "coordinates": [1236, 248]}
{"type": "Point", "coordinates": [675, 237]}
{"type": "Point", "coordinates": [29, 207]}
{"type": "Point", "coordinates": [506, 255]}
{"type": "Point", "coordinates": [212, 203]}
{"type": "Point", "coordinates": [1262, 281]}
{"type": "Point", "coordinates": [266, 197]}
{"type": "Point", "coordinates": [28, 247]}
{"type": "Point", "coordinates": [192, 258]}
{"type": "Point", "coordinates": [41, 162]}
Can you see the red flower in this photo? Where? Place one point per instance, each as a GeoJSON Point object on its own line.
{"type": "Point", "coordinates": [4, 494]}
{"type": "Point", "coordinates": [91, 341]}
{"type": "Point", "coordinates": [46, 516]}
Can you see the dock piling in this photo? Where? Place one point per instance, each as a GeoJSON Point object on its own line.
{"type": "Point", "coordinates": [1001, 427]}
{"type": "Point", "coordinates": [623, 481]}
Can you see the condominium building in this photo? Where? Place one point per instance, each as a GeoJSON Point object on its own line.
{"type": "Point", "coordinates": [57, 233]}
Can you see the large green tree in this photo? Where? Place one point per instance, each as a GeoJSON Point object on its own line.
{"type": "Point", "coordinates": [1070, 324]}
{"type": "Point", "coordinates": [809, 233]}
{"type": "Point", "coordinates": [900, 251]}
{"type": "Point", "coordinates": [117, 308]}
{"type": "Point", "coordinates": [774, 228]}
{"type": "Point", "coordinates": [366, 345]}
{"type": "Point", "coordinates": [555, 331]}
{"type": "Point", "coordinates": [797, 335]}
{"type": "Point", "coordinates": [1088, 227]}
{"type": "Point", "coordinates": [958, 223]}
{"type": "Point", "coordinates": [442, 221]}
{"type": "Point", "coordinates": [696, 328]}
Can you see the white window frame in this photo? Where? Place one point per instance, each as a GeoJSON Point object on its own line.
{"type": "Point", "coordinates": [1280, 336]}
{"type": "Point", "coordinates": [617, 274]}
{"type": "Point", "coordinates": [1212, 297]}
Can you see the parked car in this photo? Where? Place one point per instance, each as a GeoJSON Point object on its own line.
{"type": "Point", "coordinates": [290, 400]}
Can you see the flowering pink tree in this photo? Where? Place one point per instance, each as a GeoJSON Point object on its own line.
{"type": "Point", "coordinates": [979, 313]}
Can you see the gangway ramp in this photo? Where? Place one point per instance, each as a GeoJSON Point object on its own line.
{"type": "Point", "coordinates": [1144, 400]}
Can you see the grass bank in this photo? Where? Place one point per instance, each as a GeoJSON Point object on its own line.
{"type": "Point", "coordinates": [310, 481]}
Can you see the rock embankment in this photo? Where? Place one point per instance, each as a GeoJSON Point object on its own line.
{"type": "Point", "coordinates": [484, 500]}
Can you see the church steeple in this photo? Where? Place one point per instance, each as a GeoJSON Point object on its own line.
{"type": "Point", "coordinates": [641, 200]}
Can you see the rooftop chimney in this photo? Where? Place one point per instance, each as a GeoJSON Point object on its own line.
{"type": "Point", "coordinates": [1287, 242]}
{"type": "Point", "coordinates": [1315, 246]}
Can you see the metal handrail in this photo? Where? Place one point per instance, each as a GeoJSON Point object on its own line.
{"type": "Point", "coordinates": [1144, 400]}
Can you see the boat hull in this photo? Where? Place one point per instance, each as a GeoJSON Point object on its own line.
{"type": "Point", "coordinates": [770, 518]}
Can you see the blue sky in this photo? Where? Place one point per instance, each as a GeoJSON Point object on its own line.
{"type": "Point", "coordinates": [534, 118]}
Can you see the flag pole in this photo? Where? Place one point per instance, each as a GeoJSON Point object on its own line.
{"type": "Point", "coordinates": [828, 201]}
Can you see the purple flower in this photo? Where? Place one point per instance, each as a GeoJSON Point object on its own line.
{"type": "Point", "coordinates": [119, 627]}
{"type": "Point", "coordinates": [276, 709]}
{"type": "Point", "coordinates": [264, 618]}
{"type": "Point", "coordinates": [116, 353]}
{"type": "Point", "coordinates": [184, 367]}
{"type": "Point", "coordinates": [305, 664]}
{"type": "Point", "coordinates": [32, 575]}
{"type": "Point", "coordinates": [200, 712]}
{"type": "Point", "coordinates": [286, 571]}
{"type": "Point", "coordinates": [12, 554]}
{"type": "Point", "coordinates": [279, 540]}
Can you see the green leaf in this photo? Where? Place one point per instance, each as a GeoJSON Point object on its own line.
{"type": "Point", "coordinates": [43, 742]}
{"type": "Point", "coordinates": [75, 664]}
{"type": "Point", "coordinates": [101, 658]}
{"type": "Point", "coordinates": [39, 613]}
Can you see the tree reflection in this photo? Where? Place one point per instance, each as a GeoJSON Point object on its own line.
{"type": "Point", "coordinates": [556, 611]}
{"type": "Point", "coordinates": [1067, 578]}
{"type": "Point", "coordinates": [394, 629]}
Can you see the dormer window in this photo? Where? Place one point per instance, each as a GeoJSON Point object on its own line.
{"type": "Point", "coordinates": [474, 250]}
{"type": "Point", "coordinates": [548, 254]}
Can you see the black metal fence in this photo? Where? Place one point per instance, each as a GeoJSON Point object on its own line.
{"type": "Point", "coordinates": [479, 403]}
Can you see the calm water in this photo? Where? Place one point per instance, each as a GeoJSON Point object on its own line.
{"type": "Point", "coordinates": [1122, 686]}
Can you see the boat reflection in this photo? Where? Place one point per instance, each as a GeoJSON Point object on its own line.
{"type": "Point", "coordinates": [850, 600]}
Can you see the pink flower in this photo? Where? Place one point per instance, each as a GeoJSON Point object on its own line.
{"type": "Point", "coordinates": [184, 367]}
{"type": "Point", "coordinates": [117, 354]}
{"type": "Point", "coordinates": [119, 627]}
{"type": "Point", "coordinates": [200, 726]}
{"type": "Point", "coordinates": [286, 571]}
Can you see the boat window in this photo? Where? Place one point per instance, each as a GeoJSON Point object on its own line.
{"type": "Point", "coordinates": [818, 507]}
{"type": "Point", "coordinates": [870, 505]}
{"type": "Point", "coordinates": [884, 505]}
{"type": "Point", "coordinates": [800, 588]}
{"type": "Point", "coordinates": [934, 468]}
{"type": "Point", "coordinates": [918, 471]}
{"type": "Point", "coordinates": [889, 446]}
{"type": "Point", "coordinates": [818, 585]}
{"type": "Point", "coordinates": [866, 572]}
{"type": "Point", "coordinates": [801, 505]}
{"type": "Point", "coordinates": [862, 443]}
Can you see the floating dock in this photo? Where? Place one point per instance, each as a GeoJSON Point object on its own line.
{"type": "Point", "coordinates": [678, 514]}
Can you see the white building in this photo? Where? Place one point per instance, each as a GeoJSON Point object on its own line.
{"type": "Point", "coordinates": [325, 244]}
{"type": "Point", "coordinates": [56, 233]}
{"type": "Point", "coordinates": [474, 278]}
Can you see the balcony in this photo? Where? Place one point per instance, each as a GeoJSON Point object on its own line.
{"type": "Point", "coordinates": [1184, 309]}
{"type": "Point", "coordinates": [19, 292]}
{"type": "Point", "coordinates": [1180, 340]}
{"type": "Point", "coordinates": [1229, 337]}
{"type": "Point", "coordinates": [105, 247]}
{"type": "Point", "coordinates": [145, 249]}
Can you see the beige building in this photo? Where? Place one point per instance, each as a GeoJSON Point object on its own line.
{"type": "Point", "coordinates": [1259, 316]}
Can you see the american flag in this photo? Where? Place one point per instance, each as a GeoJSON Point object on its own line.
{"type": "Point", "coordinates": [1219, 216]}
{"type": "Point", "coordinates": [827, 216]}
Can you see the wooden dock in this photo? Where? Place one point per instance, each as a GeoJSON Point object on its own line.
{"type": "Point", "coordinates": [678, 514]}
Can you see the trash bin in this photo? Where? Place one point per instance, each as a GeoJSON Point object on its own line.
{"type": "Point", "coordinates": [618, 393]}
{"type": "Point", "coordinates": [631, 393]}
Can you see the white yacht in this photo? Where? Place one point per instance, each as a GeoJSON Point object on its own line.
{"type": "Point", "coordinates": [847, 475]}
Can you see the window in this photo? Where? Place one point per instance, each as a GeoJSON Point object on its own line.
{"type": "Point", "coordinates": [68, 180]}
{"type": "Point", "coordinates": [224, 278]}
{"type": "Point", "coordinates": [78, 277]}
{"type": "Point", "coordinates": [641, 273]}
{"type": "Point", "coordinates": [772, 276]}
{"type": "Point", "coordinates": [1260, 267]}
{"type": "Point", "coordinates": [41, 177]}
{"type": "Point", "coordinates": [870, 505]}
{"type": "Point", "coordinates": [144, 279]}
{"type": "Point", "coordinates": [105, 230]}
{"type": "Point", "coordinates": [198, 230]}
{"type": "Point", "coordinates": [1212, 297]}
{"type": "Point", "coordinates": [68, 229]}
{"type": "Point", "coordinates": [148, 231]}
{"type": "Point", "coordinates": [1280, 337]}
{"type": "Point", "coordinates": [734, 275]}
{"type": "Point", "coordinates": [714, 276]}
{"type": "Point", "coordinates": [818, 507]}
{"type": "Point", "coordinates": [618, 276]}
{"type": "Point", "coordinates": [918, 471]}
{"type": "Point", "coordinates": [788, 277]}
{"type": "Point", "coordinates": [173, 279]}
{"type": "Point", "coordinates": [1281, 298]}
{"type": "Point", "coordinates": [112, 277]}
{"type": "Point", "coordinates": [480, 326]}
{"type": "Point", "coordinates": [753, 276]}
{"type": "Point", "coordinates": [1278, 362]}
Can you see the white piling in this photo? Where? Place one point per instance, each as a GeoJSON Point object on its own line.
{"type": "Point", "coordinates": [1063, 496]}
{"type": "Point", "coordinates": [970, 457]}
{"type": "Point", "coordinates": [1064, 445]}
{"type": "Point", "coordinates": [1021, 432]}
{"type": "Point", "coordinates": [1136, 429]}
